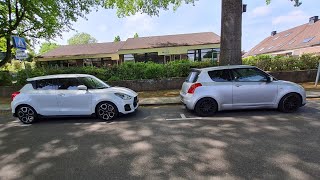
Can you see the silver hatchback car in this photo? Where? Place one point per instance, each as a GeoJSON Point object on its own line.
{"type": "Point", "coordinates": [220, 88]}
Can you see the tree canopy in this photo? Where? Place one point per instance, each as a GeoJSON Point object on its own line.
{"type": "Point", "coordinates": [46, 47]}
{"type": "Point", "coordinates": [117, 39]}
{"type": "Point", "coordinates": [81, 38]}
{"type": "Point", "coordinates": [136, 35]}
{"type": "Point", "coordinates": [39, 19]}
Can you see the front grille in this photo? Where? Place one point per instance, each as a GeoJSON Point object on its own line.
{"type": "Point", "coordinates": [135, 101]}
{"type": "Point", "coordinates": [127, 107]}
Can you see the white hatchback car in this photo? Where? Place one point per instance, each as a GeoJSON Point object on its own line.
{"type": "Point", "coordinates": [71, 95]}
{"type": "Point", "coordinates": [220, 88]}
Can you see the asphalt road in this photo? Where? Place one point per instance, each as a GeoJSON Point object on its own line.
{"type": "Point", "coordinates": [164, 143]}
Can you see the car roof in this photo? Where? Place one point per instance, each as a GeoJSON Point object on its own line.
{"type": "Point", "coordinates": [58, 76]}
{"type": "Point", "coordinates": [224, 67]}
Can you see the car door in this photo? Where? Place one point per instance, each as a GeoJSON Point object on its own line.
{"type": "Point", "coordinates": [221, 87]}
{"type": "Point", "coordinates": [251, 88]}
{"type": "Point", "coordinates": [45, 98]}
{"type": "Point", "coordinates": [71, 100]}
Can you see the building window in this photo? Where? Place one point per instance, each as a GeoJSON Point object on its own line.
{"type": "Point", "coordinates": [128, 58]}
{"type": "Point", "coordinates": [308, 39]}
{"type": "Point", "coordinates": [203, 54]}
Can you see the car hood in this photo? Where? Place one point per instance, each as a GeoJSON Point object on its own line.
{"type": "Point", "coordinates": [119, 90]}
{"type": "Point", "coordinates": [282, 82]}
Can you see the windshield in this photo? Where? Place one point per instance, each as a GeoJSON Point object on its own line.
{"type": "Point", "coordinates": [93, 83]}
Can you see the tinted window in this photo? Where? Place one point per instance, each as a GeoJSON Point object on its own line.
{"type": "Point", "coordinates": [193, 77]}
{"type": "Point", "coordinates": [249, 75]}
{"type": "Point", "coordinates": [47, 84]}
{"type": "Point", "coordinates": [220, 75]}
{"type": "Point", "coordinates": [93, 83]}
{"type": "Point", "coordinates": [68, 83]}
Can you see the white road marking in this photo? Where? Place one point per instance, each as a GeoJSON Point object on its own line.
{"type": "Point", "coordinates": [179, 119]}
{"type": "Point", "coordinates": [183, 116]}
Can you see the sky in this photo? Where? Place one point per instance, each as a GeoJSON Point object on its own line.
{"type": "Point", "coordinates": [204, 16]}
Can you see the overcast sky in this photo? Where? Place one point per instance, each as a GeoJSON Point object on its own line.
{"type": "Point", "coordinates": [258, 21]}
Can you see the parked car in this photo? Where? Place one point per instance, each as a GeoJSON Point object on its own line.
{"type": "Point", "coordinates": [213, 89]}
{"type": "Point", "coordinates": [71, 95]}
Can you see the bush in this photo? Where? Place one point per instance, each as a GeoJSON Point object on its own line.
{"type": "Point", "coordinates": [5, 78]}
{"type": "Point", "coordinates": [283, 63]}
{"type": "Point", "coordinates": [150, 70]}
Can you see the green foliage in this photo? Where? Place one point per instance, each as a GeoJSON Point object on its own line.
{"type": "Point", "coordinates": [150, 70]}
{"type": "Point", "coordinates": [117, 39]}
{"type": "Point", "coordinates": [283, 63]}
{"type": "Point", "coordinates": [46, 47]}
{"type": "Point", "coordinates": [136, 35]}
{"type": "Point", "coordinates": [5, 78]}
{"type": "Point", "coordinates": [40, 19]}
{"type": "Point", "coordinates": [81, 38]}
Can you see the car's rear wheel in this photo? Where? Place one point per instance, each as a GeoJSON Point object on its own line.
{"type": "Point", "coordinates": [206, 107]}
{"type": "Point", "coordinates": [26, 114]}
{"type": "Point", "coordinates": [107, 111]}
{"type": "Point", "coordinates": [290, 103]}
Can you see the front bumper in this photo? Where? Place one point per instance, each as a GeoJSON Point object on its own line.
{"type": "Point", "coordinates": [128, 106]}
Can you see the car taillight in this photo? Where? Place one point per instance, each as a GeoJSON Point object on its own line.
{"type": "Point", "coordinates": [194, 87]}
{"type": "Point", "coordinates": [13, 95]}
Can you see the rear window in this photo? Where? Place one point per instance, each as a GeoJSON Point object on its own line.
{"type": "Point", "coordinates": [220, 75]}
{"type": "Point", "coordinates": [27, 87]}
{"type": "Point", "coordinates": [193, 77]}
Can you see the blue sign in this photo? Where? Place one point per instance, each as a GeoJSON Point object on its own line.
{"type": "Point", "coordinates": [19, 43]}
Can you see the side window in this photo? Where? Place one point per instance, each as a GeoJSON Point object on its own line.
{"type": "Point", "coordinates": [68, 83]}
{"type": "Point", "coordinates": [193, 77]}
{"type": "Point", "coordinates": [46, 84]}
{"type": "Point", "coordinates": [220, 75]}
{"type": "Point", "coordinates": [249, 75]}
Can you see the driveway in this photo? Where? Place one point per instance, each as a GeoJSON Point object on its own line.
{"type": "Point", "coordinates": [165, 142]}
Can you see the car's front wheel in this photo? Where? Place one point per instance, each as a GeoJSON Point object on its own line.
{"type": "Point", "coordinates": [206, 107]}
{"type": "Point", "coordinates": [26, 114]}
{"type": "Point", "coordinates": [106, 111]}
{"type": "Point", "coordinates": [290, 103]}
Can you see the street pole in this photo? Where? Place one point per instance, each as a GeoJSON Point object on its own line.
{"type": "Point", "coordinates": [318, 75]}
{"type": "Point", "coordinates": [25, 68]}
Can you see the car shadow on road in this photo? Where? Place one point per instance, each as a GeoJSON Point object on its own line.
{"type": "Point", "coordinates": [245, 145]}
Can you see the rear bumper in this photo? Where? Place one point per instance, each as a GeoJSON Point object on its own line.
{"type": "Point", "coordinates": [187, 100]}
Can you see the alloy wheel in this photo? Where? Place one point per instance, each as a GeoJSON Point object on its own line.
{"type": "Point", "coordinates": [26, 114]}
{"type": "Point", "coordinates": [106, 111]}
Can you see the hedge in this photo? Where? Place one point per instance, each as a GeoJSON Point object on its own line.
{"type": "Point", "coordinates": [125, 71]}
{"type": "Point", "coordinates": [150, 70]}
{"type": "Point", "coordinates": [283, 63]}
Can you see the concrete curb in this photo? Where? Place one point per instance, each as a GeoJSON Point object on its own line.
{"type": "Point", "coordinates": [164, 101]}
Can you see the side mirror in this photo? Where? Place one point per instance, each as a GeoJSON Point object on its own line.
{"type": "Point", "coordinates": [269, 79]}
{"type": "Point", "coordinates": [82, 87]}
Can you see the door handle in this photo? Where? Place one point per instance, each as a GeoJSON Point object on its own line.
{"type": "Point", "coordinates": [238, 85]}
{"type": "Point", "coordinates": [61, 94]}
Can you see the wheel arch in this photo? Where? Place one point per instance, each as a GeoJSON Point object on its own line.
{"type": "Point", "coordinates": [103, 101]}
{"type": "Point", "coordinates": [287, 93]}
{"type": "Point", "coordinates": [24, 104]}
{"type": "Point", "coordinates": [211, 97]}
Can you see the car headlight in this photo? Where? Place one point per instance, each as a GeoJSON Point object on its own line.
{"type": "Point", "coordinates": [123, 96]}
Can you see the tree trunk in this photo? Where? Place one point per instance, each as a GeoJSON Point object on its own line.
{"type": "Point", "coordinates": [231, 27]}
{"type": "Point", "coordinates": [7, 58]}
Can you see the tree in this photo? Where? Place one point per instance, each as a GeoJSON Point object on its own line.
{"type": "Point", "coordinates": [136, 35]}
{"type": "Point", "coordinates": [38, 19]}
{"type": "Point", "coordinates": [81, 38]}
{"type": "Point", "coordinates": [231, 21]}
{"type": "Point", "coordinates": [117, 39]}
{"type": "Point", "coordinates": [46, 47]}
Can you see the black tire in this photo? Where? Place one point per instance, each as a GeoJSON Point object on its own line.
{"type": "Point", "coordinates": [290, 103]}
{"type": "Point", "coordinates": [26, 114]}
{"type": "Point", "coordinates": [107, 111]}
{"type": "Point", "coordinates": [206, 107]}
